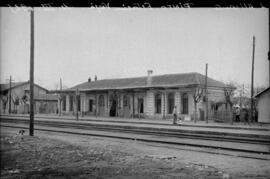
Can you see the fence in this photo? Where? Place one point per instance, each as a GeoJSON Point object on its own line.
{"type": "Point", "coordinates": [222, 116]}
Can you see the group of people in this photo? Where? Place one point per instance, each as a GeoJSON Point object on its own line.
{"type": "Point", "coordinates": [237, 112]}
{"type": "Point", "coordinates": [244, 113]}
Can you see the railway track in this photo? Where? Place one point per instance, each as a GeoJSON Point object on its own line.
{"type": "Point", "coordinates": [181, 133]}
{"type": "Point", "coordinates": [160, 134]}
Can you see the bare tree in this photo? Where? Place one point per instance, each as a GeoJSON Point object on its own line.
{"type": "Point", "coordinates": [229, 92]}
{"type": "Point", "coordinates": [16, 102]}
{"type": "Point", "coordinates": [4, 99]}
{"type": "Point", "coordinates": [197, 96]}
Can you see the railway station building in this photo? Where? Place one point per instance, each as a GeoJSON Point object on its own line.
{"type": "Point", "coordinates": [142, 97]}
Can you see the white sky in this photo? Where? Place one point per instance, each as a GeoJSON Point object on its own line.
{"type": "Point", "coordinates": [76, 43]}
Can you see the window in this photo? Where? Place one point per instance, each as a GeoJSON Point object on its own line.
{"type": "Point", "coordinates": [185, 103]}
{"type": "Point", "coordinates": [126, 101]}
{"type": "Point", "coordinates": [158, 103]}
{"type": "Point", "coordinates": [101, 100]}
{"type": "Point", "coordinates": [90, 105]}
{"type": "Point", "coordinates": [170, 103]}
{"type": "Point", "coordinates": [64, 103]}
{"type": "Point", "coordinates": [71, 98]}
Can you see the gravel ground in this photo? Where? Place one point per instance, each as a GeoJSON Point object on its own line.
{"type": "Point", "coordinates": [49, 155]}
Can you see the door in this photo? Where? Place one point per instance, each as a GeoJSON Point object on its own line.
{"type": "Point", "coordinates": [113, 108]}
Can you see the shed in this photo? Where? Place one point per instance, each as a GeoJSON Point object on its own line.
{"type": "Point", "coordinates": [264, 106]}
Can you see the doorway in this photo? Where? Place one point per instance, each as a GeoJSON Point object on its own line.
{"type": "Point", "coordinates": [113, 108]}
{"type": "Point", "coordinates": [140, 105]}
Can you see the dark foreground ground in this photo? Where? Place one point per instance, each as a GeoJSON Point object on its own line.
{"type": "Point", "coordinates": [56, 156]}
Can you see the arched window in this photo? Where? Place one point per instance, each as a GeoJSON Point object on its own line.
{"type": "Point", "coordinates": [170, 102]}
{"type": "Point", "coordinates": [101, 100]}
{"type": "Point", "coordinates": [158, 103]}
{"type": "Point", "coordinates": [185, 103]}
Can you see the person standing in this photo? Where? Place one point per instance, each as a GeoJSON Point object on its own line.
{"type": "Point", "coordinates": [237, 114]}
{"type": "Point", "coordinates": [174, 115]}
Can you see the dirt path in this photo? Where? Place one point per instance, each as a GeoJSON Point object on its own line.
{"type": "Point", "coordinates": [65, 156]}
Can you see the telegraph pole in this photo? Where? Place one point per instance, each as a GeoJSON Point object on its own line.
{"type": "Point", "coordinates": [31, 125]}
{"type": "Point", "coordinates": [269, 65]}
{"type": "Point", "coordinates": [76, 104]}
{"type": "Point", "coordinates": [206, 93]}
{"type": "Point", "coordinates": [60, 105]}
{"type": "Point", "coordinates": [252, 79]}
{"type": "Point", "coordinates": [9, 102]}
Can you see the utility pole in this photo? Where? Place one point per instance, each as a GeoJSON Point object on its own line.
{"type": "Point", "coordinates": [269, 65]}
{"type": "Point", "coordinates": [9, 102]}
{"type": "Point", "coordinates": [31, 125]}
{"type": "Point", "coordinates": [60, 105]}
{"type": "Point", "coordinates": [206, 93]}
{"type": "Point", "coordinates": [252, 79]}
{"type": "Point", "coordinates": [76, 104]}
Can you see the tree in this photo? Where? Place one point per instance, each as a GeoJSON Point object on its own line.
{"type": "Point", "coordinates": [61, 98]}
{"type": "Point", "coordinates": [229, 92]}
{"type": "Point", "coordinates": [4, 99]}
{"type": "Point", "coordinates": [197, 95]}
{"type": "Point", "coordinates": [25, 99]}
{"type": "Point", "coordinates": [16, 102]}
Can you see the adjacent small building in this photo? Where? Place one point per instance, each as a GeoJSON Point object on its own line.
{"type": "Point", "coordinates": [263, 105]}
{"type": "Point", "coordinates": [19, 101]}
{"type": "Point", "coordinates": [144, 97]}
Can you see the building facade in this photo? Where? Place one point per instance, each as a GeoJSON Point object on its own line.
{"type": "Point", "coordinates": [19, 101]}
{"type": "Point", "coordinates": [142, 97]}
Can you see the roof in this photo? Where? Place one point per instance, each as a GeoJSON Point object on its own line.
{"type": "Point", "coordinates": [263, 91]}
{"type": "Point", "coordinates": [4, 87]}
{"type": "Point", "coordinates": [46, 97]}
{"type": "Point", "coordinates": [168, 80]}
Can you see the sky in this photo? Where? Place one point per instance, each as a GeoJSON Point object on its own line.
{"type": "Point", "coordinates": [77, 43]}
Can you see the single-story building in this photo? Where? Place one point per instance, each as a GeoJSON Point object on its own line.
{"type": "Point", "coordinates": [263, 105]}
{"type": "Point", "coordinates": [19, 101]}
{"type": "Point", "coordinates": [147, 97]}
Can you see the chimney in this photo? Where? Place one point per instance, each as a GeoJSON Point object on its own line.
{"type": "Point", "coordinates": [149, 77]}
{"type": "Point", "coordinates": [95, 77]}
{"type": "Point", "coordinates": [89, 80]}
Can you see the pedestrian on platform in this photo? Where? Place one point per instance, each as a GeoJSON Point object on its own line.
{"type": "Point", "coordinates": [174, 115]}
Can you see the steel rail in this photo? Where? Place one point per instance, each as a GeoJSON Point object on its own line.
{"type": "Point", "coordinates": [147, 131]}
{"type": "Point", "coordinates": [138, 122]}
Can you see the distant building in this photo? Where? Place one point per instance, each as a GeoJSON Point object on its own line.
{"type": "Point", "coordinates": [44, 103]}
{"type": "Point", "coordinates": [263, 105]}
{"type": "Point", "coordinates": [148, 96]}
